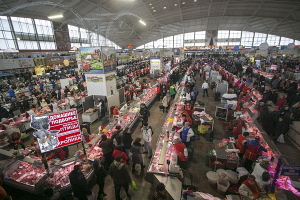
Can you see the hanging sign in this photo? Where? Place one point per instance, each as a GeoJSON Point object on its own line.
{"type": "Point", "coordinates": [290, 170]}
{"type": "Point", "coordinates": [110, 77]}
{"type": "Point", "coordinates": [56, 130]}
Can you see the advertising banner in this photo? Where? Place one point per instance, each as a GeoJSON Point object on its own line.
{"type": "Point", "coordinates": [109, 59]}
{"type": "Point", "coordinates": [154, 53]}
{"type": "Point", "coordinates": [94, 79]}
{"type": "Point", "coordinates": [54, 61]}
{"type": "Point", "coordinates": [155, 64]}
{"type": "Point", "coordinates": [91, 59]}
{"type": "Point", "coordinates": [56, 130]}
{"type": "Point", "coordinates": [16, 63]}
{"type": "Point", "coordinates": [26, 62]}
{"type": "Point", "coordinates": [39, 61]}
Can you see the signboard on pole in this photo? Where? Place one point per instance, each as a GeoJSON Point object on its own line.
{"type": "Point", "coordinates": [56, 130]}
{"type": "Point", "coordinates": [290, 170]}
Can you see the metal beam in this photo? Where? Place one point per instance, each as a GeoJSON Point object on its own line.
{"type": "Point", "coordinates": [291, 12]}
{"type": "Point", "coordinates": [180, 11]}
{"type": "Point", "coordinates": [257, 9]}
{"type": "Point", "coordinates": [225, 9]}
{"type": "Point", "coordinates": [209, 8]}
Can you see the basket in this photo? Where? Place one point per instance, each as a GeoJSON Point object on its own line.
{"type": "Point", "coordinates": [233, 176]}
{"type": "Point", "coordinates": [202, 129]}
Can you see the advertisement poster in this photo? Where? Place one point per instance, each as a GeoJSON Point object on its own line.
{"type": "Point", "coordinates": [26, 62]}
{"type": "Point", "coordinates": [154, 53]}
{"type": "Point", "coordinates": [109, 59]}
{"type": "Point", "coordinates": [94, 79]}
{"type": "Point", "coordinates": [39, 61]}
{"type": "Point", "coordinates": [56, 130]}
{"type": "Point", "coordinates": [91, 59]}
{"type": "Point", "coordinates": [155, 64]}
{"type": "Point", "coordinates": [211, 38]}
{"type": "Point", "coordinates": [54, 61]}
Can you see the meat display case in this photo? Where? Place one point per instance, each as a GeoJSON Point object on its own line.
{"type": "Point", "coordinates": [26, 176]}
{"type": "Point", "coordinates": [59, 180]}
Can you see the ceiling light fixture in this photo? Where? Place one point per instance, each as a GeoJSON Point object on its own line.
{"type": "Point", "coordinates": [55, 16]}
{"type": "Point", "coordinates": [18, 38]}
{"type": "Point", "coordinates": [142, 22]}
{"type": "Point", "coordinates": [183, 2]}
{"type": "Point", "coordinates": [195, 0]}
{"type": "Point", "coordinates": [150, 4]}
{"type": "Point", "coordinates": [165, 7]}
{"type": "Point", "coordinates": [154, 10]}
{"type": "Point", "coordinates": [175, 4]}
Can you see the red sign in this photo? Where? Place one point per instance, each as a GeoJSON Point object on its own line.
{"type": "Point", "coordinates": [56, 130]}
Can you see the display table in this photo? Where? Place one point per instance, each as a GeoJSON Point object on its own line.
{"type": "Point", "coordinates": [222, 108]}
{"type": "Point", "coordinates": [228, 97]}
{"type": "Point", "coordinates": [90, 117]}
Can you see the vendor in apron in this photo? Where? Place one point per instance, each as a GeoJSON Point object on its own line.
{"type": "Point", "coordinates": [249, 189]}
{"type": "Point", "coordinates": [241, 143]}
{"type": "Point", "coordinates": [186, 133]}
{"type": "Point", "coordinates": [253, 151]}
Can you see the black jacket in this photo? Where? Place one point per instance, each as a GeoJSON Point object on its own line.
{"type": "Point", "coordinates": [127, 139]}
{"type": "Point", "coordinates": [107, 146]}
{"type": "Point", "coordinates": [79, 185]}
{"type": "Point", "coordinates": [100, 175]}
{"type": "Point", "coordinates": [119, 173]}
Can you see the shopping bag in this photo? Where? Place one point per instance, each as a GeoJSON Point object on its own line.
{"type": "Point", "coordinates": [280, 138]}
{"type": "Point", "coordinates": [133, 185]}
{"type": "Point", "coordinates": [131, 191]}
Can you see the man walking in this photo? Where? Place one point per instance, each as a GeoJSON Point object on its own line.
{"type": "Point", "coordinates": [120, 175]}
{"type": "Point", "coordinates": [79, 184]}
{"type": "Point", "coordinates": [147, 136]}
{"type": "Point", "coordinates": [205, 88]}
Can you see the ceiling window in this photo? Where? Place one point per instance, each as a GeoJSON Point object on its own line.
{"type": "Point", "coordinates": [273, 40]}
{"type": "Point", "coordinates": [168, 42]}
{"type": "Point", "coordinates": [47, 45]}
{"type": "Point", "coordinates": [141, 47]}
{"type": "Point", "coordinates": [23, 44]}
{"type": "Point", "coordinates": [259, 38]}
{"type": "Point", "coordinates": [95, 39]}
{"type": "Point", "coordinates": [23, 25]}
{"type": "Point", "coordinates": [73, 31]}
{"type": "Point", "coordinates": [200, 44]}
{"type": "Point", "coordinates": [6, 37]}
{"type": "Point", "coordinates": [247, 39]}
{"type": "Point", "coordinates": [200, 35]}
{"type": "Point", "coordinates": [189, 36]}
{"type": "Point", "coordinates": [235, 34]}
{"type": "Point", "coordinates": [286, 41]}
{"type": "Point", "coordinates": [101, 40]}
{"type": "Point", "coordinates": [189, 44]}
{"type": "Point", "coordinates": [159, 43]}
{"type": "Point", "coordinates": [222, 44]}
{"type": "Point", "coordinates": [149, 45]}
{"type": "Point", "coordinates": [223, 34]}
{"type": "Point", "coordinates": [178, 40]}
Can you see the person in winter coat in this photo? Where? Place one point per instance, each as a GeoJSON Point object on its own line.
{"type": "Point", "coordinates": [127, 141]}
{"type": "Point", "coordinates": [186, 133]}
{"type": "Point", "coordinates": [164, 90]}
{"type": "Point", "coordinates": [160, 192]}
{"type": "Point", "coordinates": [275, 83]}
{"type": "Point", "coordinates": [120, 175]}
{"type": "Point", "coordinates": [79, 184]}
{"type": "Point", "coordinates": [165, 102]}
{"type": "Point", "coordinates": [119, 151]}
{"type": "Point", "coordinates": [182, 153]}
{"type": "Point", "coordinates": [254, 148]}
{"type": "Point", "coordinates": [241, 143]}
{"type": "Point", "coordinates": [147, 137]}
{"type": "Point", "coordinates": [295, 98]}
{"type": "Point", "coordinates": [107, 148]}
{"type": "Point", "coordinates": [267, 121]}
{"type": "Point", "coordinates": [195, 94]}
{"type": "Point", "coordinates": [280, 128]}
{"type": "Point", "coordinates": [281, 101]}
{"type": "Point", "coordinates": [100, 177]}
{"type": "Point", "coordinates": [172, 91]}
{"type": "Point", "coordinates": [144, 113]}
{"type": "Point", "coordinates": [249, 189]}
{"type": "Point", "coordinates": [158, 93]}
{"type": "Point", "coordinates": [273, 96]}
{"type": "Point", "coordinates": [137, 152]}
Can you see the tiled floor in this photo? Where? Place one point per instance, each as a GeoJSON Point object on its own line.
{"type": "Point", "coordinates": [197, 166]}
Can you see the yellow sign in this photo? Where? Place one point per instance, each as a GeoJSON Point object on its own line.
{"type": "Point", "coordinates": [66, 63]}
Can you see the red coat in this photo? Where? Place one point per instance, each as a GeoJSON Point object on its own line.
{"type": "Point", "coordinates": [280, 102]}
{"type": "Point", "coordinates": [118, 152]}
{"type": "Point", "coordinates": [252, 152]}
{"type": "Point", "coordinates": [179, 148]}
{"type": "Point", "coordinates": [239, 144]}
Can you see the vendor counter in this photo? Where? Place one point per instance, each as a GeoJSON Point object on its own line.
{"type": "Point", "coordinates": [90, 116]}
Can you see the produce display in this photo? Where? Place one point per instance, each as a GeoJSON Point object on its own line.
{"type": "Point", "coordinates": [60, 178]}
{"type": "Point", "coordinates": [134, 110]}
{"type": "Point", "coordinates": [27, 173]}
{"type": "Point", "coordinates": [90, 110]}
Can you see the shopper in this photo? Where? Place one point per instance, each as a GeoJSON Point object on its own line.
{"type": "Point", "coordinates": [147, 137]}
{"type": "Point", "coordinates": [165, 102]}
{"type": "Point", "coordinates": [205, 88]}
{"type": "Point", "coordinates": [251, 154]}
{"type": "Point", "coordinates": [158, 92]}
{"type": "Point", "coordinates": [107, 149]}
{"type": "Point", "coordinates": [79, 184]}
{"type": "Point", "coordinates": [182, 153]}
{"type": "Point", "coordinates": [186, 133]}
{"type": "Point", "coordinates": [119, 151]}
{"type": "Point", "coordinates": [160, 192]}
{"type": "Point", "coordinates": [120, 175]}
{"type": "Point", "coordinates": [127, 141]}
{"type": "Point", "coordinates": [172, 91]}
{"type": "Point", "coordinates": [195, 94]}
{"type": "Point", "coordinates": [144, 113]}
{"type": "Point", "coordinates": [281, 101]}
{"type": "Point", "coordinates": [137, 152]}
{"type": "Point", "coordinates": [100, 177]}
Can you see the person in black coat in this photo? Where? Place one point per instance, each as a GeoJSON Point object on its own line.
{"type": "Point", "coordinates": [267, 121]}
{"type": "Point", "coordinates": [100, 177]}
{"type": "Point", "coordinates": [127, 140]}
{"type": "Point", "coordinates": [79, 184]}
{"type": "Point", "coordinates": [273, 96]}
{"type": "Point", "coordinates": [280, 128]}
{"type": "Point", "coordinates": [3, 113]}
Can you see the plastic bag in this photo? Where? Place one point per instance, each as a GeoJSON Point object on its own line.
{"type": "Point", "coordinates": [280, 138]}
{"type": "Point", "coordinates": [133, 185]}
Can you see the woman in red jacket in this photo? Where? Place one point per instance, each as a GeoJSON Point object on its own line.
{"type": "Point", "coordinates": [119, 151]}
{"type": "Point", "coordinates": [182, 153]}
{"type": "Point", "coordinates": [281, 101]}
